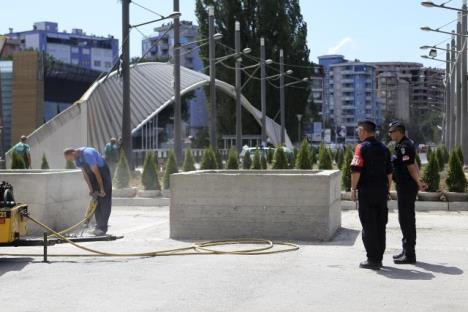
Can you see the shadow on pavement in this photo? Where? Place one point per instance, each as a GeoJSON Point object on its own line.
{"type": "Point", "coordinates": [404, 274]}
{"type": "Point", "coordinates": [439, 268]}
{"type": "Point", "coordinates": [13, 264]}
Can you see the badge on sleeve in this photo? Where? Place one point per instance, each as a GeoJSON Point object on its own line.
{"type": "Point", "coordinates": [403, 151]}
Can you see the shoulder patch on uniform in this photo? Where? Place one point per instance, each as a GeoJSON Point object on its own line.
{"type": "Point", "coordinates": [403, 151]}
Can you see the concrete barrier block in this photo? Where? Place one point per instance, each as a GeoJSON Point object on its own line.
{"type": "Point", "coordinates": [274, 204]}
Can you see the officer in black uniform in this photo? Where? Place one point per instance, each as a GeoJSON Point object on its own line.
{"type": "Point", "coordinates": [371, 176]}
{"type": "Point", "coordinates": [406, 177]}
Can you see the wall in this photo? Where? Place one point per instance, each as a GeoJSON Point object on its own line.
{"type": "Point", "coordinates": [58, 198]}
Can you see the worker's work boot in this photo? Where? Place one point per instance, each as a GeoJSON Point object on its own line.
{"type": "Point", "coordinates": [406, 259]}
{"type": "Point", "coordinates": [400, 255]}
{"type": "Point", "coordinates": [370, 265]}
{"type": "Point", "coordinates": [98, 232]}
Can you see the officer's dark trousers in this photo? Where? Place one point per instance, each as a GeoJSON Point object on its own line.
{"type": "Point", "coordinates": [406, 216]}
{"type": "Point", "coordinates": [373, 213]}
{"type": "Point", "coordinates": [104, 206]}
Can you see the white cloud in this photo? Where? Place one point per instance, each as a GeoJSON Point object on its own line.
{"type": "Point", "coordinates": [337, 48]}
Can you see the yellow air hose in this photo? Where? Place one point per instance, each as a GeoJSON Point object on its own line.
{"type": "Point", "coordinates": [195, 249]}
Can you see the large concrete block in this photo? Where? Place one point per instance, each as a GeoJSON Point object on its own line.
{"type": "Point", "coordinates": [58, 198]}
{"type": "Point", "coordinates": [270, 204]}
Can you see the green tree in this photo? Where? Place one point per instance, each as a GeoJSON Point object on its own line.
{"type": "Point", "coordinates": [149, 177]}
{"type": "Point", "coordinates": [270, 154]}
{"type": "Point", "coordinates": [429, 152]}
{"type": "Point", "coordinates": [459, 152]}
{"type": "Point", "coordinates": [446, 154]}
{"type": "Point", "coordinates": [69, 164]}
{"type": "Point", "coordinates": [440, 158]}
{"type": "Point", "coordinates": [325, 160]}
{"type": "Point", "coordinates": [209, 160]}
{"type": "Point", "coordinates": [189, 163]}
{"type": "Point", "coordinates": [171, 167]}
{"type": "Point", "coordinates": [256, 164]}
{"type": "Point", "coordinates": [122, 172]}
{"type": "Point", "coordinates": [313, 157]}
{"type": "Point", "coordinates": [44, 163]}
{"type": "Point", "coordinates": [17, 162]}
{"type": "Point", "coordinates": [281, 23]}
{"type": "Point", "coordinates": [246, 161]}
{"type": "Point", "coordinates": [346, 170]}
{"type": "Point", "coordinates": [431, 174]}
{"type": "Point", "coordinates": [303, 156]}
{"type": "Point", "coordinates": [233, 159]}
{"type": "Point", "coordinates": [456, 179]}
{"type": "Point", "coordinates": [279, 160]}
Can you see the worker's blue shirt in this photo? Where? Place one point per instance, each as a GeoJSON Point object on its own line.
{"type": "Point", "coordinates": [89, 156]}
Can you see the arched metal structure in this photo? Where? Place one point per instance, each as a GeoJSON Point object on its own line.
{"type": "Point", "coordinates": [151, 91]}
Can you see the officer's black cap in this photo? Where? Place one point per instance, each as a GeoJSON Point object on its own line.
{"type": "Point", "coordinates": [396, 125]}
{"type": "Point", "coordinates": [369, 124]}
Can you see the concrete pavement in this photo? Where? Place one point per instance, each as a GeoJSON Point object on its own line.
{"type": "Point", "coordinates": [318, 277]}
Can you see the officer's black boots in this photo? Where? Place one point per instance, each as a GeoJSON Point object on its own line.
{"type": "Point", "coordinates": [406, 259]}
{"type": "Point", "coordinates": [370, 265]}
{"type": "Point", "coordinates": [400, 255]}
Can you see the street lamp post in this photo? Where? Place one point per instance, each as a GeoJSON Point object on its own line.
{"type": "Point", "coordinates": [464, 86]}
{"type": "Point", "coordinates": [213, 111]}
{"type": "Point", "coordinates": [447, 119]}
{"type": "Point", "coordinates": [238, 89]}
{"type": "Point", "coordinates": [263, 88]}
{"type": "Point", "coordinates": [282, 108]}
{"type": "Point", "coordinates": [126, 121]}
{"type": "Point", "coordinates": [177, 97]}
{"type": "Point", "coordinates": [453, 98]}
{"type": "Point", "coordinates": [459, 84]}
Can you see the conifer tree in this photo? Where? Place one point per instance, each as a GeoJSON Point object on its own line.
{"type": "Point", "coordinates": [189, 162]}
{"type": "Point", "coordinates": [171, 167]}
{"type": "Point", "coordinates": [122, 172]}
{"type": "Point", "coordinates": [303, 157]}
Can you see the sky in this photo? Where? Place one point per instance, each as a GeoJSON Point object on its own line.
{"type": "Point", "coordinates": [368, 30]}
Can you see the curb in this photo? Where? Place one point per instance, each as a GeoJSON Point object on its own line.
{"type": "Point", "coordinates": [141, 201]}
{"type": "Point", "coordinates": [420, 206]}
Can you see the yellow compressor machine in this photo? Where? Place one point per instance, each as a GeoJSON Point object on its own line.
{"type": "Point", "coordinates": [12, 223]}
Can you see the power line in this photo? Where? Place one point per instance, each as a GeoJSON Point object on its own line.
{"type": "Point", "coordinates": [147, 9]}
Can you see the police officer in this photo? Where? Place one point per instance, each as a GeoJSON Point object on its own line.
{"type": "Point", "coordinates": [406, 177]}
{"type": "Point", "coordinates": [97, 175]}
{"type": "Point", "coordinates": [371, 177]}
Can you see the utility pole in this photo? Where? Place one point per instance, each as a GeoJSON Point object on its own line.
{"type": "Point", "coordinates": [447, 119]}
{"type": "Point", "coordinates": [126, 110]}
{"type": "Point", "coordinates": [282, 108]}
{"type": "Point", "coordinates": [464, 93]}
{"type": "Point", "coordinates": [453, 99]}
{"type": "Point", "coordinates": [237, 44]}
{"type": "Point", "coordinates": [458, 111]}
{"type": "Point", "coordinates": [213, 112]}
{"type": "Point", "coordinates": [263, 88]}
{"type": "Point", "coordinates": [177, 99]}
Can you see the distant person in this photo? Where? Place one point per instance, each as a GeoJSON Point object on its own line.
{"type": "Point", "coordinates": [111, 154]}
{"type": "Point", "coordinates": [406, 177]}
{"type": "Point", "coordinates": [24, 151]}
{"type": "Point", "coordinates": [97, 175]}
{"type": "Point", "coordinates": [371, 178]}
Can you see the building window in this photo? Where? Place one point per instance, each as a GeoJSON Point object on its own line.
{"type": "Point", "coordinates": [75, 50]}
{"type": "Point", "coordinates": [85, 51]}
{"type": "Point", "coordinates": [97, 63]}
{"type": "Point", "coordinates": [75, 61]}
{"type": "Point", "coordinates": [107, 65]}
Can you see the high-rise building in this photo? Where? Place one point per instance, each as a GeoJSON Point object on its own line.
{"type": "Point", "coordinates": [6, 89]}
{"type": "Point", "coordinates": [77, 48]}
{"type": "Point", "coordinates": [350, 91]}
{"type": "Point", "coordinates": [160, 47]}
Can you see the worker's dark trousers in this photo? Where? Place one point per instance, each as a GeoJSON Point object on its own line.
{"type": "Point", "coordinates": [104, 206]}
{"type": "Point", "coordinates": [373, 213]}
{"type": "Point", "coordinates": [406, 216]}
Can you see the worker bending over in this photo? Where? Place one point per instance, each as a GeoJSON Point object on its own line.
{"type": "Point", "coordinates": [97, 175]}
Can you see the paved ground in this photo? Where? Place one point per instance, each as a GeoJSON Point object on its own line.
{"type": "Point", "coordinates": [319, 277]}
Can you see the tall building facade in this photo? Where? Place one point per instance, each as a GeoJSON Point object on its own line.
{"type": "Point", "coordinates": [77, 48]}
{"type": "Point", "coordinates": [6, 90]}
{"type": "Point", "coordinates": [160, 47]}
{"type": "Point", "coordinates": [350, 91]}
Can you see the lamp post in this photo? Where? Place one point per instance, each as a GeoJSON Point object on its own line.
{"type": "Point", "coordinates": [459, 85]}
{"type": "Point", "coordinates": [213, 111]}
{"type": "Point", "coordinates": [263, 88]}
{"type": "Point", "coordinates": [464, 86]}
{"type": "Point", "coordinates": [282, 108]}
{"type": "Point", "coordinates": [237, 44]}
{"type": "Point", "coordinates": [453, 98]}
{"type": "Point", "coordinates": [126, 121]}
{"type": "Point", "coordinates": [447, 119]}
{"type": "Point", "coordinates": [299, 119]}
{"type": "Point", "coordinates": [177, 97]}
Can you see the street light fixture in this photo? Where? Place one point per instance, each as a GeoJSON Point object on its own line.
{"type": "Point", "coordinates": [427, 28]}
{"type": "Point", "coordinates": [430, 4]}
{"type": "Point", "coordinates": [434, 59]}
